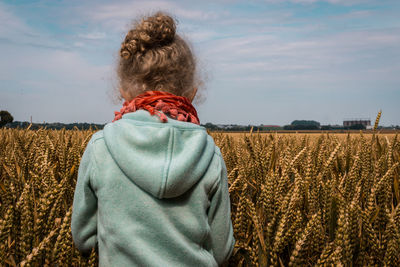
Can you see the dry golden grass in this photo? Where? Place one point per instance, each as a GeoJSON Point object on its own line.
{"type": "Point", "coordinates": [38, 175]}
{"type": "Point", "coordinates": [296, 199]}
{"type": "Point", "coordinates": [320, 200]}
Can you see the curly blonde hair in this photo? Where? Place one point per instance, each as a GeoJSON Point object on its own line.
{"type": "Point", "coordinates": [154, 57]}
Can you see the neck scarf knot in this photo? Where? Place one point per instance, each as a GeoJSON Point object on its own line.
{"type": "Point", "coordinates": [177, 107]}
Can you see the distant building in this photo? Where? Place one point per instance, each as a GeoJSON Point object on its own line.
{"type": "Point", "coordinates": [351, 122]}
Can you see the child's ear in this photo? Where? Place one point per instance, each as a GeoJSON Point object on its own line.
{"type": "Point", "coordinates": [193, 94]}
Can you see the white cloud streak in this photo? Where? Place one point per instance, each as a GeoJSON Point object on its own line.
{"type": "Point", "coordinates": [335, 2]}
{"type": "Point", "coordinates": [16, 31]}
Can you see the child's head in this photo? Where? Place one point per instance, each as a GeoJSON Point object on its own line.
{"type": "Point", "coordinates": [154, 57]}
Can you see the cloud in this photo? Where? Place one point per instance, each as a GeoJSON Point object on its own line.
{"type": "Point", "coordinates": [9, 23]}
{"type": "Point", "coordinates": [55, 85]}
{"type": "Point", "coordinates": [36, 66]}
{"type": "Point", "coordinates": [93, 35]}
{"type": "Point", "coordinates": [332, 61]}
{"type": "Point", "coordinates": [358, 14]}
{"type": "Point", "coordinates": [335, 2]}
{"type": "Point", "coordinates": [118, 14]}
{"type": "Point", "coordinates": [46, 76]}
{"type": "Point", "coordinates": [16, 31]}
{"type": "Point", "coordinates": [200, 36]}
{"type": "Point", "coordinates": [262, 56]}
{"type": "Point", "coordinates": [346, 2]}
{"type": "Point", "coordinates": [125, 10]}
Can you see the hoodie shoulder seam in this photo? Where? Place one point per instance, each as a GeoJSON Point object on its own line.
{"type": "Point", "coordinates": [217, 181]}
{"type": "Point", "coordinates": [93, 168]}
{"type": "Point", "coordinates": [96, 136]}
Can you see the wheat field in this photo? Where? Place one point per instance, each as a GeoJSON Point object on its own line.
{"type": "Point", "coordinates": [296, 200]}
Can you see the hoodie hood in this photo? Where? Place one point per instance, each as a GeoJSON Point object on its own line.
{"type": "Point", "coordinates": [164, 159]}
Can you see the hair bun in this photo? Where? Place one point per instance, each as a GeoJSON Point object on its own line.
{"type": "Point", "coordinates": [155, 31]}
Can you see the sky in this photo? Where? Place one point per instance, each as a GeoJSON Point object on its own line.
{"type": "Point", "coordinates": [261, 62]}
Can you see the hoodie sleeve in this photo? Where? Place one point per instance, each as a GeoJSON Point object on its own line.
{"type": "Point", "coordinates": [84, 211]}
{"type": "Point", "coordinates": [219, 216]}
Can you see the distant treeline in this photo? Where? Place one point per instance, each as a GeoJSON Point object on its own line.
{"type": "Point", "coordinates": [237, 128]}
{"type": "Point", "coordinates": [55, 125]}
{"type": "Point", "coordinates": [295, 125]}
{"type": "Point", "coordinates": [86, 126]}
{"type": "Point", "coordinates": [314, 125]}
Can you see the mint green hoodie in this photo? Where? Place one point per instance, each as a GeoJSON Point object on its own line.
{"type": "Point", "coordinates": [153, 194]}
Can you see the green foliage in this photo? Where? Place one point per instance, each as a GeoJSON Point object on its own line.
{"type": "Point", "coordinates": [300, 127]}
{"type": "Point", "coordinates": [5, 117]}
{"type": "Point", "coordinates": [305, 123]}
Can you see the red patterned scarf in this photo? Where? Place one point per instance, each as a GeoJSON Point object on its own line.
{"type": "Point", "coordinates": [177, 107]}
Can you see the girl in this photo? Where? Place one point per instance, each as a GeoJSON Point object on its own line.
{"type": "Point", "coordinates": [152, 186]}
